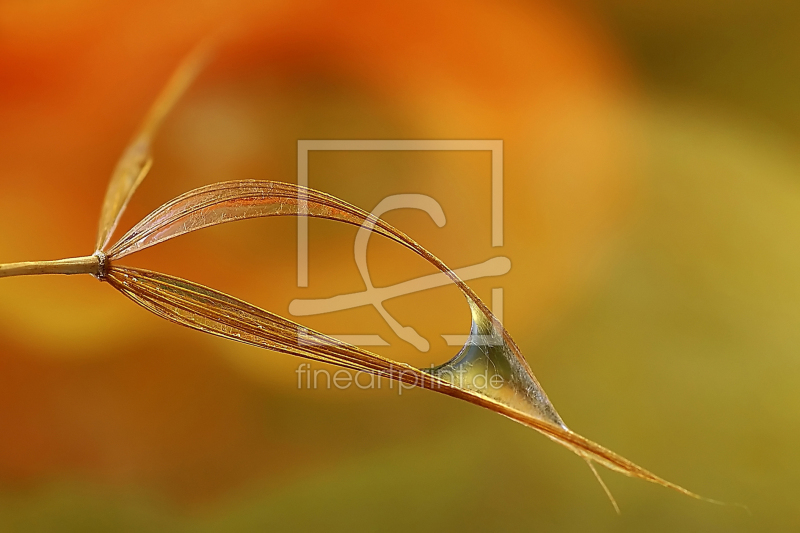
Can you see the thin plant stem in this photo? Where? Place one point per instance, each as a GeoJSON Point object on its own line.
{"type": "Point", "coordinates": [90, 264]}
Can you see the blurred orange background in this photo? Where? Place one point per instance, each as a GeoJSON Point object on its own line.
{"type": "Point", "coordinates": [652, 215]}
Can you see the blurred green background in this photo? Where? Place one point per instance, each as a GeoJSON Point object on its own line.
{"type": "Point", "coordinates": [652, 219]}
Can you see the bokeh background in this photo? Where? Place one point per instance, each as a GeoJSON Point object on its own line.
{"type": "Point", "coordinates": [652, 197]}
